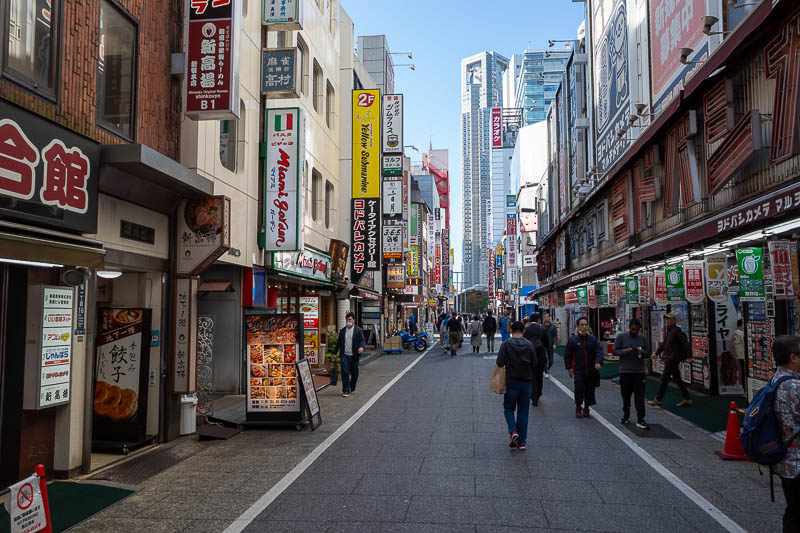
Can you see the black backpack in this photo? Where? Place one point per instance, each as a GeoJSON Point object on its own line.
{"type": "Point", "coordinates": [520, 366]}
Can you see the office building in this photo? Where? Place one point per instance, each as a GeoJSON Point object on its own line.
{"type": "Point", "coordinates": [373, 52]}
{"type": "Point", "coordinates": [536, 80]}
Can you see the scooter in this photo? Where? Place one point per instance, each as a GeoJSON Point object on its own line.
{"type": "Point", "coordinates": [419, 341]}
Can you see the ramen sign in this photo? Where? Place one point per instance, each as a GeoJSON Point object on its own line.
{"type": "Point", "coordinates": [204, 233]}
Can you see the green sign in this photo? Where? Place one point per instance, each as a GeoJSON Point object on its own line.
{"type": "Point", "coordinates": [583, 296]}
{"type": "Point", "coordinates": [602, 290]}
{"type": "Point", "coordinates": [674, 278]}
{"type": "Point", "coordinates": [414, 220]}
{"type": "Point", "coordinates": [751, 274]}
{"type": "Point", "coordinates": [631, 290]}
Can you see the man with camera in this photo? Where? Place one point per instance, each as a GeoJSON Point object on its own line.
{"type": "Point", "coordinates": [632, 349]}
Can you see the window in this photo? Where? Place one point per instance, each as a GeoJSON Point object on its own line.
{"type": "Point", "coordinates": [330, 105]}
{"type": "Point", "coordinates": [317, 86]}
{"type": "Point", "coordinates": [316, 185]}
{"type": "Point", "coordinates": [231, 141]}
{"type": "Point", "coordinates": [329, 215]}
{"type": "Point", "coordinates": [116, 71]}
{"type": "Point", "coordinates": [302, 52]}
{"type": "Point", "coordinates": [31, 57]}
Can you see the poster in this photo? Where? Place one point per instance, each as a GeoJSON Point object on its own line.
{"type": "Point", "coordinates": [780, 253]}
{"type": "Point", "coordinates": [644, 289]}
{"type": "Point", "coordinates": [602, 290]}
{"type": "Point", "coordinates": [673, 275]}
{"type": "Point", "coordinates": [613, 295]}
{"type": "Point", "coordinates": [309, 306]}
{"type": "Point", "coordinates": [716, 279]}
{"type": "Point", "coordinates": [700, 362]}
{"type": "Point", "coordinates": [660, 287]}
{"type": "Point", "coordinates": [750, 267]}
{"type": "Point", "coordinates": [631, 290]}
{"type": "Point", "coordinates": [271, 347]}
{"type": "Point", "coordinates": [694, 281]}
{"type": "Point", "coordinates": [729, 370]}
{"type": "Point", "coordinates": [592, 296]}
{"type": "Point", "coordinates": [583, 296]}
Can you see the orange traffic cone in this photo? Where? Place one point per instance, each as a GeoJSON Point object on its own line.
{"type": "Point", "coordinates": [733, 450]}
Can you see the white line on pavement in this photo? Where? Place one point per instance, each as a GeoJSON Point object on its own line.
{"type": "Point", "coordinates": [263, 502]}
{"type": "Point", "coordinates": [678, 483]}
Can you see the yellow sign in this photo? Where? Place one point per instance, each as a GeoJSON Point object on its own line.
{"type": "Point", "coordinates": [413, 261]}
{"type": "Point", "coordinates": [366, 143]}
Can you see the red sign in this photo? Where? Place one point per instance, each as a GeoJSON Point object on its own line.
{"type": "Point", "coordinates": [781, 254]}
{"type": "Point", "coordinates": [693, 272]}
{"type": "Point", "coordinates": [592, 297]}
{"type": "Point", "coordinates": [211, 67]}
{"type": "Point", "coordinates": [660, 287]}
{"type": "Point", "coordinates": [497, 127]}
{"type": "Point", "coordinates": [613, 294]}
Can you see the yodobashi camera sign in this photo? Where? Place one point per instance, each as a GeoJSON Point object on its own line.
{"type": "Point", "coordinates": [392, 123]}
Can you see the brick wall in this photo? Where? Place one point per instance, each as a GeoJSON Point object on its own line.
{"type": "Point", "coordinates": [159, 107]}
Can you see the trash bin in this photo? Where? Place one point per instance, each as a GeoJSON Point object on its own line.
{"type": "Point", "coordinates": [188, 414]}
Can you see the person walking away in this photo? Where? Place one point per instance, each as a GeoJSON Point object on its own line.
{"type": "Point", "coordinates": [463, 323]}
{"type": "Point", "coordinates": [443, 338]}
{"type": "Point", "coordinates": [738, 347]}
{"type": "Point", "coordinates": [350, 345]}
{"type": "Point", "coordinates": [674, 349]}
{"type": "Point", "coordinates": [537, 335]}
{"type": "Point", "coordinates": [632, 349]}
{"type": "Point", "coordinates": [583, 359]}
{"type": "Point", "coordinates": [454, 329]}
{"type": "Point", "coordinates": [519, 357]}
{"type": "Point", "coordinates": [490, 329]}
{"type": "Point", "coordinates": [504, 335]}
{"type": "Point", "coordinates": [475, 331]}
{"type": "Point", "coordinates": [552, 333]}
{"type": "Point", "coordinates": [786, 352]}
{"type": "Point", "coordinates": [412, 324]}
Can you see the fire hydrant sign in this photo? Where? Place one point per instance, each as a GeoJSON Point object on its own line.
{"type": "Point", "coordinates": [25, 506]}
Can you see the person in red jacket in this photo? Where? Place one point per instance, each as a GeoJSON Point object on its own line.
{"type": "Point", "coordinates": [583, 359]}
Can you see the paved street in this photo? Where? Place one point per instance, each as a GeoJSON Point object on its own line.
{"type": "Point", "coordinates": [431, 455]}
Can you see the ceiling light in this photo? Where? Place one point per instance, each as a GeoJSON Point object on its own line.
{"type": "Point", "coordinates": [30, 263]}
{"type": "Point", "coordinates": [109, 274]}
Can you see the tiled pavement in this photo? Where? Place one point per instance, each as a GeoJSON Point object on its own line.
{"type": "Point", "coordinates": [432, 455]}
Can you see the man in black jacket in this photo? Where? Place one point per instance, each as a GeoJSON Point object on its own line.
{"type": "Point", "coordinates": [552, 333]}
{"type": "Point", "coordinates": [519, 358]}
{"type": "Point", "coordinates": [583, 359]}
{"type": "Point", "coordinates": [489, 328]}
{"type": "Point", "coordinates": [536, 334]}
{"type": "Point", "coordinates": [350, 345]}
{"type": "Point", "coordinates": [674, 349]}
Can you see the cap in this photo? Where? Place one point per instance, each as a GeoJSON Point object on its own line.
{"type": "Point", "coordinates": [671, 315]}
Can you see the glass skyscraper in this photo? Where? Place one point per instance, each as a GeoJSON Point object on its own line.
{"type": "Point", "coordinates": [537, 80]}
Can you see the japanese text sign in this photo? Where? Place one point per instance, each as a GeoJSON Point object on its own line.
{"type": "Point", "coordinates": [716, 279]}
{"type": "Point", "coordinates": [583, 296]}
{"type": "Point", "coordinates": [392, 196]}
{"type": "Point", "coordinates": [781, 253]}
{"type": "Point", "coordinates": [644, 289]}
{"type": "Point", "coordinates": [392, 242]}
{"type": "Point", "coordinates": [366, 140]}
{"type": "Point", "coordinates": [279, 73]}
{"type": "Point", "coordinates": [674, 279]}
{"type": "Point", "coordinates": [613, 294]}
{"type": "Point", "coordinates": [497, 127]}
{"type": "Point", "coordinates": [591, 294]}
{"type": "Point", "coordinates": [204, 232]}
{"type": "Point", "coordinates": [660, 287]}
{"type": "Point", "coordinates": [392, 123]}
{"type": "Point", "coordinates": [26, 507]}
{"type": "Point", "coordinates": [631, 290]}
{"type": "Point", "coordinates": [413, 261]}
{"type": "Point", "coordinates": [693, 273]}
{"type": "Point", "coordinates": [366, 235]}
{"type": "Point", "coordinates": [393, 165]}
{"type": "Point", "coordinates": [282, 14]}
{"type": "Point", "coordinates": [184, 364]}
{"type": "Point", "coordinates": [282, 184]}
{"type": "Point", "coordinates": [751, 274]}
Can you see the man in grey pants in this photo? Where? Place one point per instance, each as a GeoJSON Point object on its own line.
{"type": "Point", "coordinates": [632, 349]}
{"type": "Point", "coordinates": [552, 332]}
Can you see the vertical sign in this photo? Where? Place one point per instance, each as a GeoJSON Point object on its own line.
{"type": "Point", "coordinates": [366, 139]}
{"type": "Point", "coordinates": [716, 278]}
{"type": "Point", "coordinates": [613, 295]}
{"type": "Point", "coordinates": [392, 242]}
{"type": "Point", "coordinates": [366, 236]}
{"type": "Point", "coordinates": [392, 123]}
{"type": "Point", "coordinates": [203, 232]}
{"type": "Point", "coordinates": [497, 127]}
{"type": "Point", "coordinates": [583, 296]}
{"type": "Point", "coordinates": [392, 196]}
{"type": "Point", "coordinates": [644, 289]}
{"type": "Point", "coordinates": [413, 261]}
{"type": "Point", "coordinates": [279, 77]}
{"type": "Point", "coordinates": [282, 186]}
{"type": "Point", "coordinates": [780, 254]}
{"type": "Point", "coordinates": [631, 290]}
{"type": "Point", "coordinates": [674, 279]}
{"type": "Point", "coordinates": [693, 273]}
{"type": "Point", "coordinates": [184, 367]}
{"type": "Point", "coordinates": [281, 13]}
{"type": "Point", "coordinates": [212, 59]}
{"type": "Point", "coordinates": [309, 306]}
{"type": "Point", "coordinates": [751, 274]}
{"type": "Point", "coordinates": [591, 295]}
{"type": "Point", "coordinates": [660, 287]}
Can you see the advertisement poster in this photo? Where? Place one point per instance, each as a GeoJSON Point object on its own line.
{"type": "Point", "coordinates": [602, 290]}
{"type": "Point", "coordinates": [583, 296]}
{"type": "Point", "coordinates": [592, 296]}
{"type": "Point", "coordinates": [392, 124]}
{"type": "Point", "coordinates": [674, 279]}
{"type": "Point", "coordinates": [693, 278]}
{"type": "Point", "coordinates": [121, 373]}
{"type": "Point", "coordinates": [660, 287]}
{"type": "Point", "coordinates": [54, 354]}
{"type": "Point", "coordinates": [309, 306]}
{"type": "Point", "coordinates": [283, 210]}
{"type": "Point", "coordinates": [750, 267]}
{"type": "Point", "coordinates": [729, 371]}
{"type": "Point", "coordinates": [700, 362]}
{"type": "Point", "coordinates": [613, 299]}
{"type": "Point", "coordinates": [780, 253]}
{"type": "Point", "coordinates": [716, 279]}
{"type": "Point", "coordinates": [631, 290]}
{"type": "Point", "coordinates": [644, 289]}
{"type": "Point", "coordinates": [271, 347]}
{"type": "Point", "coordinates": [366, 144]}
{"type": "Point", "coordinates": [392, 242]}
{"type": "Point", "coordinates": [760, 334]}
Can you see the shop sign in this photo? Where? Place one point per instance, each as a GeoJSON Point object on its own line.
{"type": "Point", "coordinates": [272, 344]}
{"type": "Point", "coordinates": [366, 236]}
{"type": "Point", "coordinates": [716, 282]}
{"type": "Point", "coordinates": [392, 242]}
{"type": "Point", "coordinates": [780, 253]}
{"type": "Point", "coordinates": [695, 285]}
{"type": "Point", "coordinates": [413, 261]}
{"type": "Point", "coordinates": [137, 232]}
{"type": "Point", "coordinates": [393, 165]}
{"type": "Point", "coordinates": [393, 197]}
{"type": "Point", "coordinates": [392, 123]}
{"type": "Point", "coordinates": [795, 267]}
{"type": "Point", "coordinates": [490, 284]}
{"type": "Point", "coordinates": [212, 59]}
{"type": "Point", "coordinates": [583, 296]}
{"type": "Point", "coordinates": [283, 210]}
{"type": "Point", "coordinates": [591, 296]}
{"type": "Point", "coordinates": [204, 233]}
{"type": "Point", "coordinates": [413, 236]}
{"type": "Point", "coordinates": [395, 277]}
{"type": "Point", "coordinates": [751, 274]}
{"type": "Point", "coordinates": [528, 260]}
{"type": "Point", "coordinates": [278, 73]}
{"type": "Point", "coordinates": [660, 290]}
{"type": "Point", "coordinates": [282, 14]}
{"type": "Point", "coordinates": [26, 508]}
{"type": "Point", "coordinates": [48, 175]}
{"type": "Point", "coordinates": [644, 289]}
{"type": "Point", "coordinates": [497, 127]}
{"type": "Point", "coordinates": [184, 368]}
{"type": "Point", "coordinates": [48, 355]}
{"type": "Point", "coordinates": [366, 140]}
{"type": "Point", "coordinates": [308, 264]}
{"type": "Point", "coordinates": [631, 290]}
{"type": "Point", "coordinates": [602, 290]}
{"type": "Point", "coordinates": [309, 306]}
{"type": "Point", "coordinates": [411, 289]}
{"type": "Point", "coordinates": [613, 294]}
{"type": "Point", "coordinates": [673, 275]}
{"type": "Point", "coordinates": [570, 298]}
{"type": "Point", "coordinates": [338, 252]}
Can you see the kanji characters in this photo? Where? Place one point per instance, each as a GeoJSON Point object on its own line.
{"type": "Point", "coordinates": [66, 172]}
{"type": "Point", "coordinates": [18, 160]}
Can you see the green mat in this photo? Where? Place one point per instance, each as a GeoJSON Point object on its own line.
{"type": "Point", "coordinates": [71, 503]}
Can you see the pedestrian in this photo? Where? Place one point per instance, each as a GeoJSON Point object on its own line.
{"type": "Point", "coordinates": [632, 349]}
{"type": "Point", "coordinates": [537, 335]}
{"type": "Point", "coordinates": [518, 356]}
{"type": "Point", "coordinates": [583, 359]}
{"type": "Point", "coordinates": [786, 353]}
{"type": "Point", "coordinates": [673, 350]}
{"type": "Point", "coordinates": [454, 330]}
{"type": "Point", "coordinates": [443, 332]}
{"type": "Point", "coordinates": [350, 345]}
{"type": "Point", "coordinates": [525, 317]}
{"type": "Point", "coordinates": [412, 324]}
{"type": "Point", "coordinates": [552, 334]}
{"type": "Point", "coordinates": [462, 322]}
{"type": "Point", "coordinates": [504, 334]}
{"type": "Point", "coordinates": [475, 331]}
{"type": "Point", "coordinates": [738, 347]}
{"type": "Point", "coordinates": [490, 329]}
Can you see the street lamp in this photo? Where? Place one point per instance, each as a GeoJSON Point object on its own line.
{"type": "Point", "coordinates": [409, 54]}
{"type": "Point", "coordinates": [551, 41]}
{"type": "Point", "coordinates": [409, 65]}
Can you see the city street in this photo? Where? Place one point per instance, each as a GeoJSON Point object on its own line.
{"type": "Point", "coordinates": [431, 454]}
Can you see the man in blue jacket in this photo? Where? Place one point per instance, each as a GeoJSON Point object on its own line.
{"type": "Point", "coordinates": [583, 359]}
{"type": "Point", "coordinates": [350, 345]}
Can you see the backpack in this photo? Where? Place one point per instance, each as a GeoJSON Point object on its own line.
{"type": "Point", "coordinates": [761, 433]}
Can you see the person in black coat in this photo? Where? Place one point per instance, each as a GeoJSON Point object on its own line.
{"type": "Point", "coordinates": [583, 359]}
{"type": "Point", "coordinates": [350, 345]}
{"type": "Point", "coordinates": [537, 334]}
{"type": "Point", "coordinates": [489, 328]}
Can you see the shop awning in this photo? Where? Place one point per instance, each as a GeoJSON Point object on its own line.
{"type": "Point", "coordinates": [139, 174]}
{"type": "Point", "coordinates": [368, 295]}
{"type": "Point", "coordinates": [26, 243]}
{"type": "Point", "coordinates": [216, 285]}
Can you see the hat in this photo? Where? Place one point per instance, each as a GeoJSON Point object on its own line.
{"type": "Point", "coordinates": [671, 315]}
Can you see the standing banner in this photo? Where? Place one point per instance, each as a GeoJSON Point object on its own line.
{"type": "Point", "coordinates": [631, 290]}
{"type": "Point", "coordinates": [283, 210]}
{"type": "Point", "coordinates": [613, 295]}
{"type": "Point", "coordinates": [660, 287]}
{"type": "Point", "coordinates": [392, 124]}
{"type": "Point", "coordinates": [674, 279]}
{"type": "Point", "coordinates": [693, 273]}
{"type": "Point", "coordinates": [780, 253]}
{"type": "Point", "coordinates": [716, 279]}
{"type": "Point", "coordinates": [309, 306]}
{"type": "Point", "coordinates": [644, 289]}
{"type": "Point", "coordinates": [750, 266]}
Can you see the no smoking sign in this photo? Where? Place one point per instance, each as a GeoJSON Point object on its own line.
{"type": "Point", "coordinates": [25, 507]}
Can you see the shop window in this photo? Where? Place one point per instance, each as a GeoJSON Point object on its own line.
{"type": "Point", "coordinates": [317, 86]}
{"type": "Point", "coordinates": [227, 143]}
{"type": "Point", "coordinates": [31, 55]}
{"type": "Point", "coordinates": [116, 70]}
{"type": "Point", "coordinates": [330, 105]}
{"type": "Point", "coordinates": [316, 185]}
{"type": "Point", "coordinates": [328, 204]}
{"type": "Point", "coordinates": [302, 53]}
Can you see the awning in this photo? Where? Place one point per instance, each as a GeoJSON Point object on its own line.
{"type": "Point", "coordinates": [216, 285]}
{"type": "Point", "coordinates": [368, 295]}
{"type": "Point", "coordinates": [137, 173]}
{"type": "Point", "coordinates": [27, 243]}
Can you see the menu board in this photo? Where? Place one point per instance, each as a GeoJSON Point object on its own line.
{"type": "Point", "coordinates": [309, 306]}
{"type": "Point", "coordinates": [308, 386]}
{"type": "Point", "coordinates": [272, 344]}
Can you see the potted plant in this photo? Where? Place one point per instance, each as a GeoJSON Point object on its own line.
{"type": "Point", "coordinates": [332, 358]}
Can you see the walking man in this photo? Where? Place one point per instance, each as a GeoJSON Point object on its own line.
{"type": "Point", "coordinates": [350, 345]}
{"type": "Point", "coordinates": [537, 335]}
{"type": "Point", "coordinates": [454, 332]}
{"type": "Point", "coordinates": [632, 349]}
{"type": "Point", "coordinates": [673, 350]}
{"type": "Point", "coordinates": [583, 359]}
{"type": "Point", "coordinates": [504, 334]}
{"type": "Point", "coordinates": [519, 358]}
{"type": "Point", "coordinates": [489, 328]}
{"type": "Point", "coordinates": [552, 333]}
{"type": "Point", "coordinates": [786, 351]}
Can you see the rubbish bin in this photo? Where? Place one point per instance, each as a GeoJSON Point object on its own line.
{"type": "Point", "coordinates": [188, 414]}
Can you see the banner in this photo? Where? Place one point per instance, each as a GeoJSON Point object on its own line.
{"type": "Point", "coordinates": [644, 289]}
{"type": "Point", "coordinates": [716, 280]}
{"type": "Point", "coordinates": [413, 261]}
{"type": "Point", "coordinates": [780, 253]}
{"type": "Point", "coordinates": [750, 266]}
{"type": "Point", "coordinates": [392, 196]}
{"type": "Point", "coordinates": [695, 286]}
{"type": "Point", "coordinates": [613, 299]}
{"type": "Point", "coordinates": [283, 210]}
{"type": "Point", "coordinates": [583, 296]}
{"type": "Point", "coordinates": [366, 140]}
{"type": "Point", "coordinates": [674, 280]}
{"type": "Point", "coordinates": [366, 237]}
{"type": "Point", "coordinates": [392, 124]}
{"type": "Point", "coordinates": [592, 296]}
{"type": "Point", "coordinates": [660, 287]}
{"type": "Point", "coordinates": [497, 127]}
{"type": "Point", "coordinates": [631, 290]}
{"type": "Point", "coordinates": [602, 290]}
{"type": "Point", "coordinates": [392, 242]}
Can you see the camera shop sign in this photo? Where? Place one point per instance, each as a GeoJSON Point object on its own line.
{"type": "Point", "coordinates": [308, 264]}
{"type": "Point", "coordinates": [212, 64]}
{"type": "Point", "coordinates": [366, 234]}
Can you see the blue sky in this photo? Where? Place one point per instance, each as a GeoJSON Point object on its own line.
{"type": "Point", "coordinates": [440, 33]}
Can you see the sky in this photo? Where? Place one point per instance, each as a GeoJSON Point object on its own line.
{"type": "Point", "coordinates": [440, 33]}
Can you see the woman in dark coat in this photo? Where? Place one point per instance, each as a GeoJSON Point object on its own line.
{"type": "Point", "coordinates": [583, 359]}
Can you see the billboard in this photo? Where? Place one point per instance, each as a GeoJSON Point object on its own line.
{"type": "Point", "coordinates": [497, 127]}
{"type": "Point", "coordinates": [366, 237]}
{"type": "Point", "coordinates": [366, 139]}
{"type": "Point", "coordinates": [282, 205]}
{"type": "Point", "coordinates": [392, 124]}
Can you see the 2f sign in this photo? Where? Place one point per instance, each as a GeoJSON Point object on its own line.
{"type": "Point", "coordinates": [497, 127]}
{"type": "Point", "coordinates": [365, 99]}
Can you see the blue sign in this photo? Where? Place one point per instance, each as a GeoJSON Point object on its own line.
{"type": "Point", "coordinates": [499, 261]}
{"type": "Point", "coordinates": [80, 316]}
{"type": "Point", "coordinates": [155, 337]}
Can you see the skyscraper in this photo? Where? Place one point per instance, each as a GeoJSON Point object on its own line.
{"type": "Point", "coordinates": [537, 74]}
{"type": "Point", "coordinates": [481, 90]}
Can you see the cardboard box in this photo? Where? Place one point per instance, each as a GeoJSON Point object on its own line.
{"type": "Point", "coordinates": [393, 343]}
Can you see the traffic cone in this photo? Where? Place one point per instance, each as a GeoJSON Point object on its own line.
{"type": "Point", "coordinates": [733, 450]}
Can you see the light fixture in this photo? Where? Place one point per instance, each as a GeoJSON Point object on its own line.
{"type": "Point", "coordinates": [784, 227]}
{"type": "Point", "coordinates": [632, 118]}
{"type": "Point", "coordinates": [409, 54]}
{"type": "Point", "coordinates": [30, 263]}
{"type": "Point", "coordinates": [685, 53]}
{"type": "Point", "coordinates": [109, 274]}
{"type": "Point", "coordinates": [410, 65]}
{"type": "Point", "coordinates": [708, 23]}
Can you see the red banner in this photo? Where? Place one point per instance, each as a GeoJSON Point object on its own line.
{"type": "Point", "coordinates": [497, 127]}
{"type": "Point", "coordinates": [693, 272]}
{"type": "Point", "coordinates": [660, 287]}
